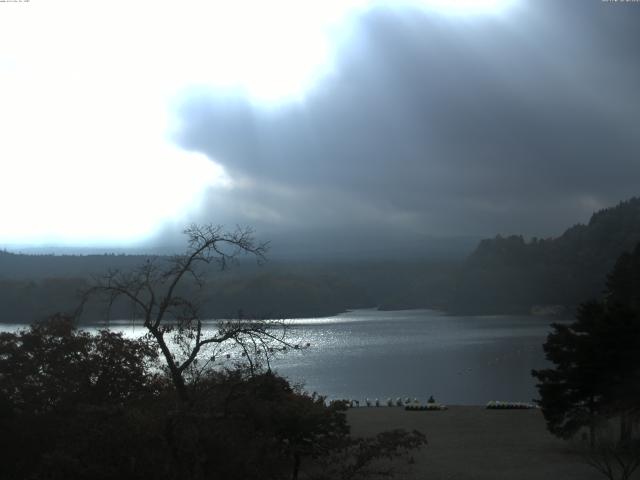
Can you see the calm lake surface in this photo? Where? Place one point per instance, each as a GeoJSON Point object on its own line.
{"type": "Point", "coordinates": [418, 353]}
{"type": "Point", "coordinates": [414, 353]}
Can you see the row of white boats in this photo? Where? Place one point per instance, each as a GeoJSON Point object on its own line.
{"type": "Point", "coordinates": [389, 402]}
{"type": "Point", "coordinates": [415, 404]}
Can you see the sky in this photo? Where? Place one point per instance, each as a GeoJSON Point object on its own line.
{"type": "Point", "coordinates": [343, 123]}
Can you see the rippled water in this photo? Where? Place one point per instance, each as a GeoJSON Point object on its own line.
{"type": "Point", "coordinates": [415, 353]}
{"type": "Point", "coordinates": [418, 353]}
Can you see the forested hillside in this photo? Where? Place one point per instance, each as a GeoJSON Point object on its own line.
{"type": "Point", "coordinates": [509, 274]}
{"type": "Point", "coordinates": [35, 286]}
{"type": "Point", "coordinates": [502, 275]}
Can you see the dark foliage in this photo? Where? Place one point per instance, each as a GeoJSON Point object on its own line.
{"type": "Point", "coordinates": [509, 274]}
{"type": "Point", "coordinates": [30, 289]}
{"type": "Point", "coordinates": [503, 275]}
{"type": "Point", "coordinates": [52, 366]}
{"type": "Point", "coordinates": [572, 393]}
{"type": "Point", "coordinates": [65, 394]}
{"type": "Point", "coordinates": [623, 284]}
{"type": "Point", "coordinates": [615, 459]}
{"type": "Point", "coordinates": [81, 406]}
{"type": "Point", "coordinates": [596, 372]}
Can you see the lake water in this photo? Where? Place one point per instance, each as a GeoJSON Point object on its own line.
{"type": "Point", "coordinates": [415, 353]}
{"type": "Point", "coordinates": [418, 353]}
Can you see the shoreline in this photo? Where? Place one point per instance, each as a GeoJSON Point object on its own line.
{"type": "Point", "coordinates": [334, 314]}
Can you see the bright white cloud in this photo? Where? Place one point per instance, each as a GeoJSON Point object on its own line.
{"type": "Point", "coordinates": [84, 92]}
{"type": "Point", "coordinates": [466, 7]}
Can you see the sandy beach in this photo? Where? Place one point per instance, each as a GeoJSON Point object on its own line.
{"type": "Point", "coordinates": [473, 443]}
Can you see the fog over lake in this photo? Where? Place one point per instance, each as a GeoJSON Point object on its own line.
{"type": "Point", "coordinates": [415, 353]}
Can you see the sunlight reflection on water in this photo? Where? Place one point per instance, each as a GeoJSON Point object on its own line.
{"type": "Point", "coordinates": [416, 353]}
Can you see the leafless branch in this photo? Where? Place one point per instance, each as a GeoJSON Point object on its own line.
{"type": "Point", "coordinates": [152, 290]}
{"type": "Point", "coordinates": [615, 459]}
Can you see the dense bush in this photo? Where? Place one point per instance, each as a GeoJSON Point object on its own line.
{"type": "Point", "coordinates": [596, 367]}
{"type": "Point", "coordinates": [75, 405]}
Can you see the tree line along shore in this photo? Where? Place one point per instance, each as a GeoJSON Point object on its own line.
{"type": "Point", "coordinates": [506, 274]}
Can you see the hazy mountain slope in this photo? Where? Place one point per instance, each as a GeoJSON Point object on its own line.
{"type": "Point", "coordinates": [509, 274]}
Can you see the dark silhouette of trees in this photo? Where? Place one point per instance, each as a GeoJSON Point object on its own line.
{"type": "Point", "coordinates": [167, 294]}
{"type": "Point", "coordinates": [245, 423]}
{"type": "Point", "coordinates": [623, 283]}
{"type": "Point", "coordinates": [572, 393]}
{"type": "Point", "coordinates": [82, 406]}
{"type": "Point", "coordinates": [509, 274]}
{"type": "Point", "coordinates": [596, 374]}
{"type": "Point", "coordinates": [76, 405]}
{"type": "Point", "coordinates": [52, 366]}
{"type": "Point", "coordinates": [613, 458]}
{"type": "Point", "coordinates": [65, 395]}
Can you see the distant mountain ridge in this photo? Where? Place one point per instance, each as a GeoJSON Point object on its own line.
{"type": "Point", "coordinates": [509, 274]}
{"type": "Point", "coordinates": [35, 286]}
{"type": "Point", "coordinates": [502, 275]}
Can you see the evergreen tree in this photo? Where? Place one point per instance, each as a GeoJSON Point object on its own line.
{"type": "Point", "coordinates": [623, 283]}
{"type": "Point", "coordinates": [571, 392]}
{"type": "Point", "coordinates": [596, 372]}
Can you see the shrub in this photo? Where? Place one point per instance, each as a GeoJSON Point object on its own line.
{"type": "Point", "coordinates": [75, 405]}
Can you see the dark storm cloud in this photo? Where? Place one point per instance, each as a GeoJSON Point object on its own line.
{"type": "Point", "coordinates": [522, 124]}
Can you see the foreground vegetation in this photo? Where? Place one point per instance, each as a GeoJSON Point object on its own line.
{"type": "Point", "coordinates": [594, 385]}
{"type": "Point", "coordinates": [75, 405]}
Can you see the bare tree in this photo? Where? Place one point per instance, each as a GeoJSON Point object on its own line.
{"type": "Point", "coordinates": [166, 296]}
{"type": "Point", "coordinates": [616, 459]}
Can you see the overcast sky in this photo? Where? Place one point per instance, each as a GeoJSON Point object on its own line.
{"type": "Point", "coordinates": [326, 120]}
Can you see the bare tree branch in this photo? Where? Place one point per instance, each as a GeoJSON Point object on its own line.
{"type": "Point", "coordinates": [152, 290]}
